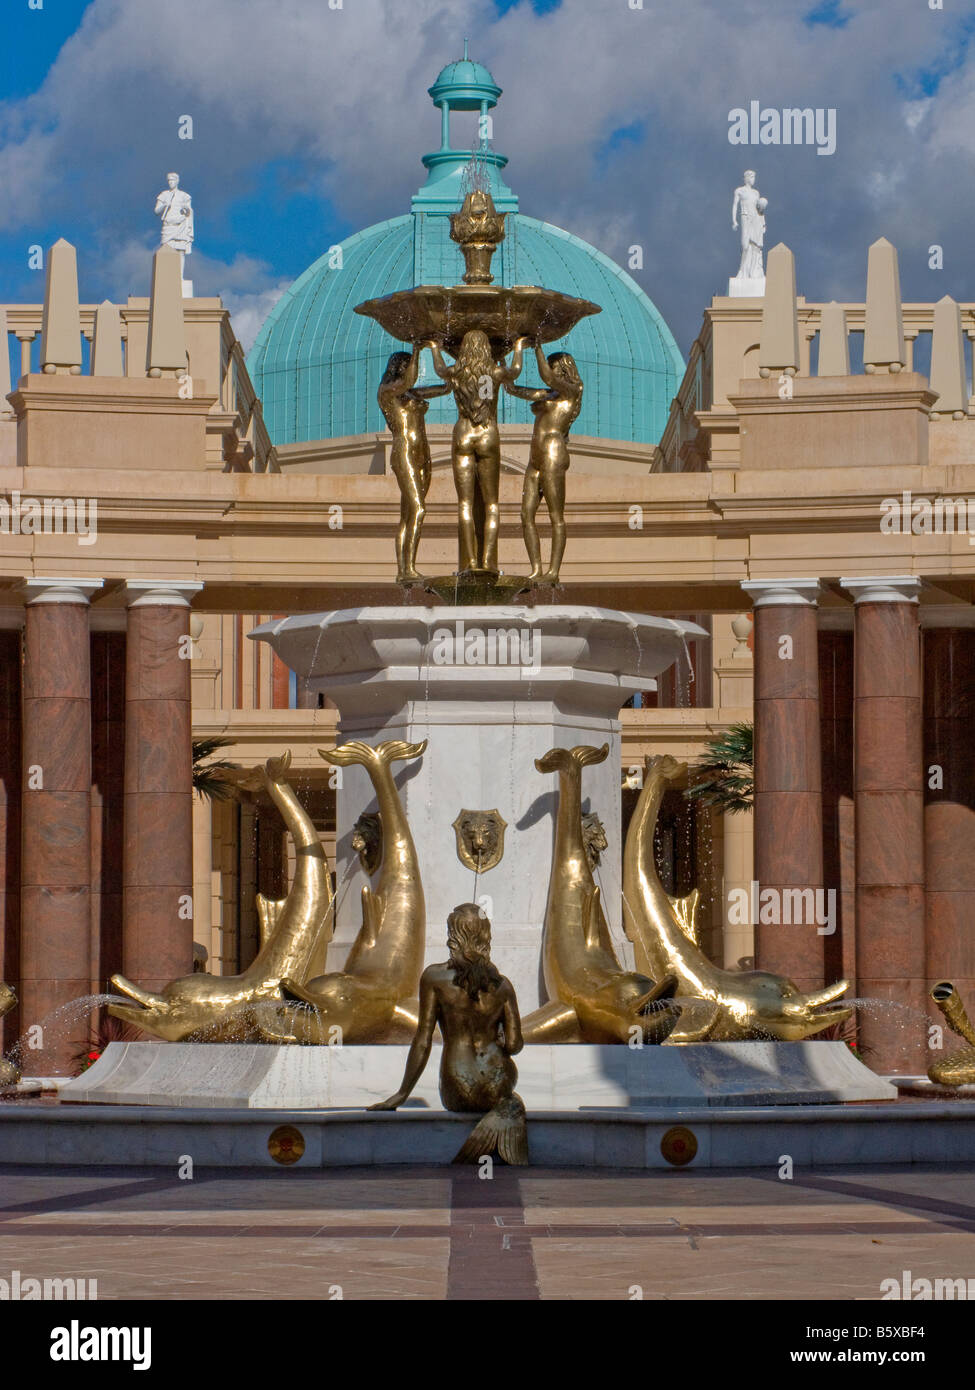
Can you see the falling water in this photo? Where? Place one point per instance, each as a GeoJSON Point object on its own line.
{"type": "Point", "coordinates": [54, 1029]}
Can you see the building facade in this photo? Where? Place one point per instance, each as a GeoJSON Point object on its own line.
{"type": "Point", "coordinates": [775, 486]}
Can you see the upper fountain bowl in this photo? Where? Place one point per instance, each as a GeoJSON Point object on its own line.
{"type": "Point", "coordinates": [503, 313]}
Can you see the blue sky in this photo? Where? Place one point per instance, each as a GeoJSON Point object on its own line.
{"type": "Point", "coordinates": [309, 124]}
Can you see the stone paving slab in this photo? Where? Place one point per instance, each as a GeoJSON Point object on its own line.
{"type": "Point", "coordinates": [427, 1234]}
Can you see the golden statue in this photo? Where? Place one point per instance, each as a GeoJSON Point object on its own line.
{"type": "Point", "coordinates": [959, 1068]}
{"type": "Point", "coordinates": [404, 405]}
{"type": "Point", "coordinates": [218, 1008]}
{"type": "Point", "coordinates": [593, 999]}
{"type": "Point", "coordinates": [9, 1074]}
{"type": "Point", "coordinates": [373, 1000]}
{"type": "Point", "coordinates": [476, 379]}
{"type": "Point", "coordinates": [555, 407]}
{"type": "Point", "coordinates": [726, 1005]}
{"type": "Point", "coordinates": [478, 230]}
{"type": "Point", "coordinates": [477, 1013]}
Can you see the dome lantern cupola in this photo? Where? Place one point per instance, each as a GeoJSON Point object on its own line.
{"type": "Point", "coordinates": [463, 85]}
{"type": "Point", "coordinates": [317, 365]}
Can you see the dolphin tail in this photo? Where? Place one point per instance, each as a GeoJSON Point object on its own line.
{"type": "Point", "coordinates": [503, 1130]}
{"type": "Point", "coordinates": [562, 759]}
{"type": "Point", "coordinates": [357, 752]}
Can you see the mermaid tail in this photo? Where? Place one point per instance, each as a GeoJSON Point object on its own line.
{"type": "Point", "coordinates": [503, 1130]}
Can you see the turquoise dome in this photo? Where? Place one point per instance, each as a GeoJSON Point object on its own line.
{"type": "Point", "coordinates": [317, 365]}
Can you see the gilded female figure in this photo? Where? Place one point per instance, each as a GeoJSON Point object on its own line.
{"type": "Point", "coordinates": [477, 1012]}
{"type": "Point", "coordinates": [404, 405]}
{"type": "Point", "coordinates": [555, 406]}
{"type": "Point", "coordinates": [475, 379]}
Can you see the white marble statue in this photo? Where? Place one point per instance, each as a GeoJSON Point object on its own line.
{"type": "Point", "coordinates": [175, 207]}
{"type": "Point", "coordinates": [748, 218]}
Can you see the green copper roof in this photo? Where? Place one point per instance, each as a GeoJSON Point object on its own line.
{"type": "Point", "coordinates": [317, 364]}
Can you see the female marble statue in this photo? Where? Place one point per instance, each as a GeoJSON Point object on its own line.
{"type": "Point", "coordinates": [751, 206]}
{"type": "Point", "coordinates": [555, 406]}
{"type": "Point", "coordinates": [477, 1011]}
{"type": "Point", "coordinates": [404, 405]}
{"type": "Point", "coordinates": [475, 379]}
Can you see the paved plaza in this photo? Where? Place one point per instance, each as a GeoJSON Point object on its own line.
{"type": "Point", "coordinates": [441, 1233]}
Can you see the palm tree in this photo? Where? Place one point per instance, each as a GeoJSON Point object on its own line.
{"type": "Point", "coordinates": [208, 779]}
{"type": "Point", "coordinates": [723, 777]}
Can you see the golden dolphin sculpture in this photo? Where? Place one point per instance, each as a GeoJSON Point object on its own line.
{"type": "Point", "coordinates": [727, 1006]}
{"type": "Point", "coordinates": [959, 1068]}
{"type": "Point", "coordinates": [594, 999]}
{"type": "Point", "coordinates": [374, 999]}
{"type": "Point", "coordinates": [9, 1074]}
{"type": "Point", "coordinates": [217, 1008]}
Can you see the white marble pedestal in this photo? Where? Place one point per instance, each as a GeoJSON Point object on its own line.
{"type": "Point", "coordinates": [491, 689]}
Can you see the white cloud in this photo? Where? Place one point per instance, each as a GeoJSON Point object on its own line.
{"type": "Point", "coordinates": [345, 91]}
{"type": "Point", "coordinates": [248, 310]}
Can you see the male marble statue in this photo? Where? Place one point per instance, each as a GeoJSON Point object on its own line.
{"type": "Point", "coordinates": [748, 219]}
{"type": "Point", "coordinates": [175, 207]}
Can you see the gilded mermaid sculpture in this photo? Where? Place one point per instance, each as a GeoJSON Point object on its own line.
{"type": "Point", "coordinates": [555, 406]}
{"type": "Point", "coordinates": [476, 379]}
{"type": "Point", "coordinates": [404, 405]}
{"type": "Point", "coordinates": [477, 1012]}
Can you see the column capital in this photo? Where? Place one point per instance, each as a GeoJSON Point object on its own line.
{"type": "Point", "coordinates": [160, 593]}
{"type": "Point", "coordinates": [783, 593]}
{"type": "Point", "coordinates": [884, 588]}
{"type": "Point", "coordinates": [59, 590]}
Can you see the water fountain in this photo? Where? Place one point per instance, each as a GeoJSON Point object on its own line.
{"type": "Point", "coordinates": [471, 729]}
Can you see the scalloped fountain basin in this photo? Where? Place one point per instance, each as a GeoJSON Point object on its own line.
{"type": "Point", "coordinates": [504, 313]}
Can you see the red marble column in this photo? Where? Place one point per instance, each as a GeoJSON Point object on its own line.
{"type": "Point", "coordinates": [839, 857]}
{"type": "Point", "coordinates": [889, 821]}
{"type": "Point", "coordinates": [949, 808]}
{"type": "Point", "coordinates": [107, 801]}
{"type": "Point", "coordinates": [10, 663]}
{"type": "Point", "coordinates": [788, 825]}
{"type": "Point", "coordinates": [56, 826]}
{"type": "Point", "coordinates": [157, 934]}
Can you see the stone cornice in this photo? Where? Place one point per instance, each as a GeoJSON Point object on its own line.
{"type": "Point", "coordinates": [839, 395]}
{"type": "Point", "coordinates": [108, 395]}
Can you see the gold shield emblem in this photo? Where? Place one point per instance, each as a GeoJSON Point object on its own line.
{"type": "Point", "coordinates": [480, 839]}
